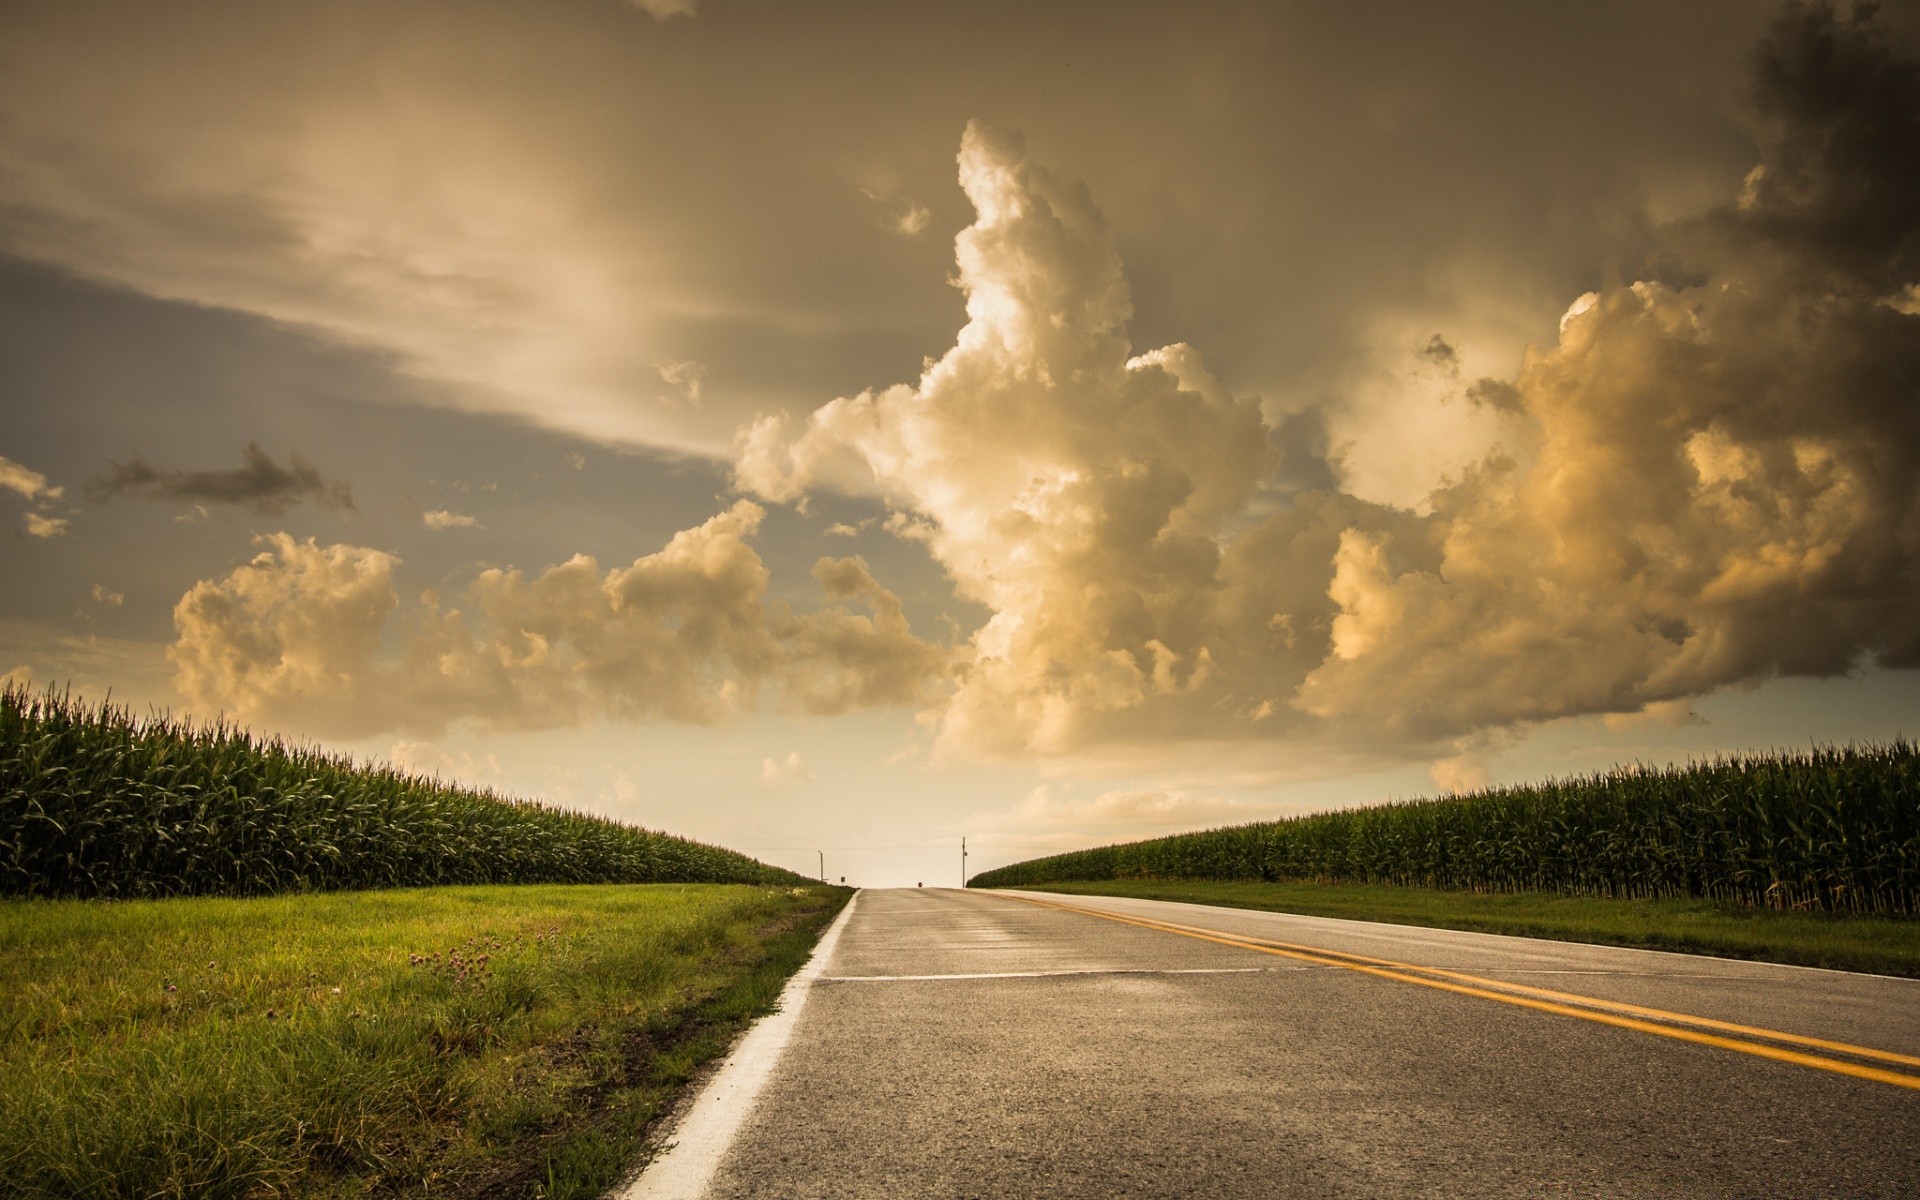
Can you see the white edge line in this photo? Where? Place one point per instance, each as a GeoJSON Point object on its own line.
{"type": "Point", "coordinates": [1057, 974]}
{"type": "Point", "coordinates": [702, 1137]}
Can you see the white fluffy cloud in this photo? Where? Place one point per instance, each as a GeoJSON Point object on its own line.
{"type": "Point", "coordinates": [778, 772]}
{"type": "Point", "coordinates": [685, 634]}
{"type": "Point", "coordinates": [1706, 480]}
{"type": "Point", "coordinates": [39, 525]}
{"type": "Point", "coordinates": [32, 485]}
{"type": "Point", "coordinates": [26, 482]}
{"type": "Point", "coordinates": [296, 628]}
{"type": "Point", "coordinates": [664, 10]}
{"type": "Point", "coordinates": [1087, 495]}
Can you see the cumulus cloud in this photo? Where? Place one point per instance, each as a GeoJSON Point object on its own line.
{"type": "Point", "coordinates": [292, 633]}
{"type": "Point", "coordinates": [259, 484]}
{"type": "Point", "coordinates": [425, 758]}
{"type": "Point", "coordinates": [686, 377]}
{"type": "Point", "coordinates": [1720, 476]}
{"type": "Point", "coordinates": [775, 772]}
{"type": "Point", "coordinates": [27, 483]}
{"type": "Point", "coordinates": [1709, 478]}
{"type": "Point", "coordinates": [38, 525]}
{"type": "Point", "coordinates": [106, 597]}
{"type": "Point", "coordinates": [441, 518]}
{"type": "Point", "coordinates": [666, 10]}
{"type": "Point", "coordinates": [685, 634]}
{"type": "Point", "coordinates": [33, 486]}
{"type": "Point", "coordinates": [1095, 499]}
{"type": "Point", "coordinates": [910, 220]}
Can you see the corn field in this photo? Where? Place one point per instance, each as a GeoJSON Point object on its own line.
{"type": "Point", "coordinates": [1830, 829]}
{"type": "Point", "coordinates": [94, 802]}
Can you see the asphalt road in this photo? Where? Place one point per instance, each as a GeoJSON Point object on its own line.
{"type": "Point", "coordinates": [970, 1044]}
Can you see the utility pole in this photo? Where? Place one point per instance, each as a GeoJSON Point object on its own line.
{"type": "Point", "coordinates": [963, 860]}
{"type": "Point", "coordinates": [823, 865]}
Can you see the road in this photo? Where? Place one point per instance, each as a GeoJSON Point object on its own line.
{"type": "Point", "coordinates": [981, 1044]}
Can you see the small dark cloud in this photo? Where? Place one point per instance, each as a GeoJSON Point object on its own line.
{"type": "Point", "coordinates": [260, 484]}
{"type": "Point", "coordinates": [1440, 353]}
{"type": "Point", "coordinates": [1496, 394]}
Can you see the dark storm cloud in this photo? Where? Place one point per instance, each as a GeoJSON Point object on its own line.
{"type": "Point", "coordinates": [1841, 113]}
{"type": "Point", "coordinates": [260, 484]}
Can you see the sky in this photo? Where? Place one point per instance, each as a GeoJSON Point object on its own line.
{"type": "Point", "coordinates": [832, 430]}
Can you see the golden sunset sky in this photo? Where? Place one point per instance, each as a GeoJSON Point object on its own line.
{"type": "Point", "coordinates": [843, 427]}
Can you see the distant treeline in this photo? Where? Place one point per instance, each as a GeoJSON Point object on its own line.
{"type": "Point", "coordinates": [1835, 829]}
{"type": "Point", "coordinates": [96, 802]}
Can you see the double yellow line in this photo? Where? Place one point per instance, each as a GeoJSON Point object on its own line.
{"type": "Point", "coordinates": [1705, 1031]}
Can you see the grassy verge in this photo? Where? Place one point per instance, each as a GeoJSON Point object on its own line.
{"type": "Point", "coordinates": [1885, 945]}
{"type": "Point", "coordinates": [447, 1042]}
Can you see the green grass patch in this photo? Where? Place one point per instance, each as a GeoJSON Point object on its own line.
{"type": "Point", "coordinates": [446, 1042]}
{"type": "Point", "coordinates": [1884, 945]}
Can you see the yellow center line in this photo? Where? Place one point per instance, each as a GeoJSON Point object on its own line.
{"type": "Point", "coordinates": [1591, 1008]}
{"type": "Point", "coordinates": [1547, 993]}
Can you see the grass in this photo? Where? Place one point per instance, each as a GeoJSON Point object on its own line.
{"type": "Point", "coordinates": [1884, 945]}
{"type": "Point", "coordinates": [446, 1042]}
{"type": "Point", "coordinates": [1835, 829]}
{"type": "Point", "coordinates": [97, 802]}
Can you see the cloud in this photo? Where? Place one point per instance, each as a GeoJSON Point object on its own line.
{"type": "Point", "coordinates": [1097, 500]}
{"type": "Point", "coordinates": [259, 484]}
{"type": "Point", "coordinates": [133, 671]}
{"type": "Point", "coordinates": [40, 526]}
{"type": "Point", "coordinates": [1720, 476]}
{"type": "Point", "coordinates": [686, 377]}
{"type": "Point", "coordinates": [106, 597]}
{"type": "Point", "coordinates": [686, 634]}
{"type": "Point", "coordinates": [442, 519]}
{"type": "Point", "coordinates": [782, 772]}
{"type": "Point", "coordinates": [911, 220]}
{"type": "Point", "coordinates": [292, 632]}
{"type": "Point", "coordinates": [29, 484]}
{"type": "Point", "coordinates": [1709, 478]}
{"type": "Point", "coordinates": [536, 242]}
{"type": "Point", "coordinates": [420, 758]}
{"type": "Point", "coordinates": [1440, 353]}
{"type": "Point", "coordinates": [425, 758]}
{"type": "Point", "coordinates": [666, 10]}
{"type": "Point", "coordinates": [33, 486]}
